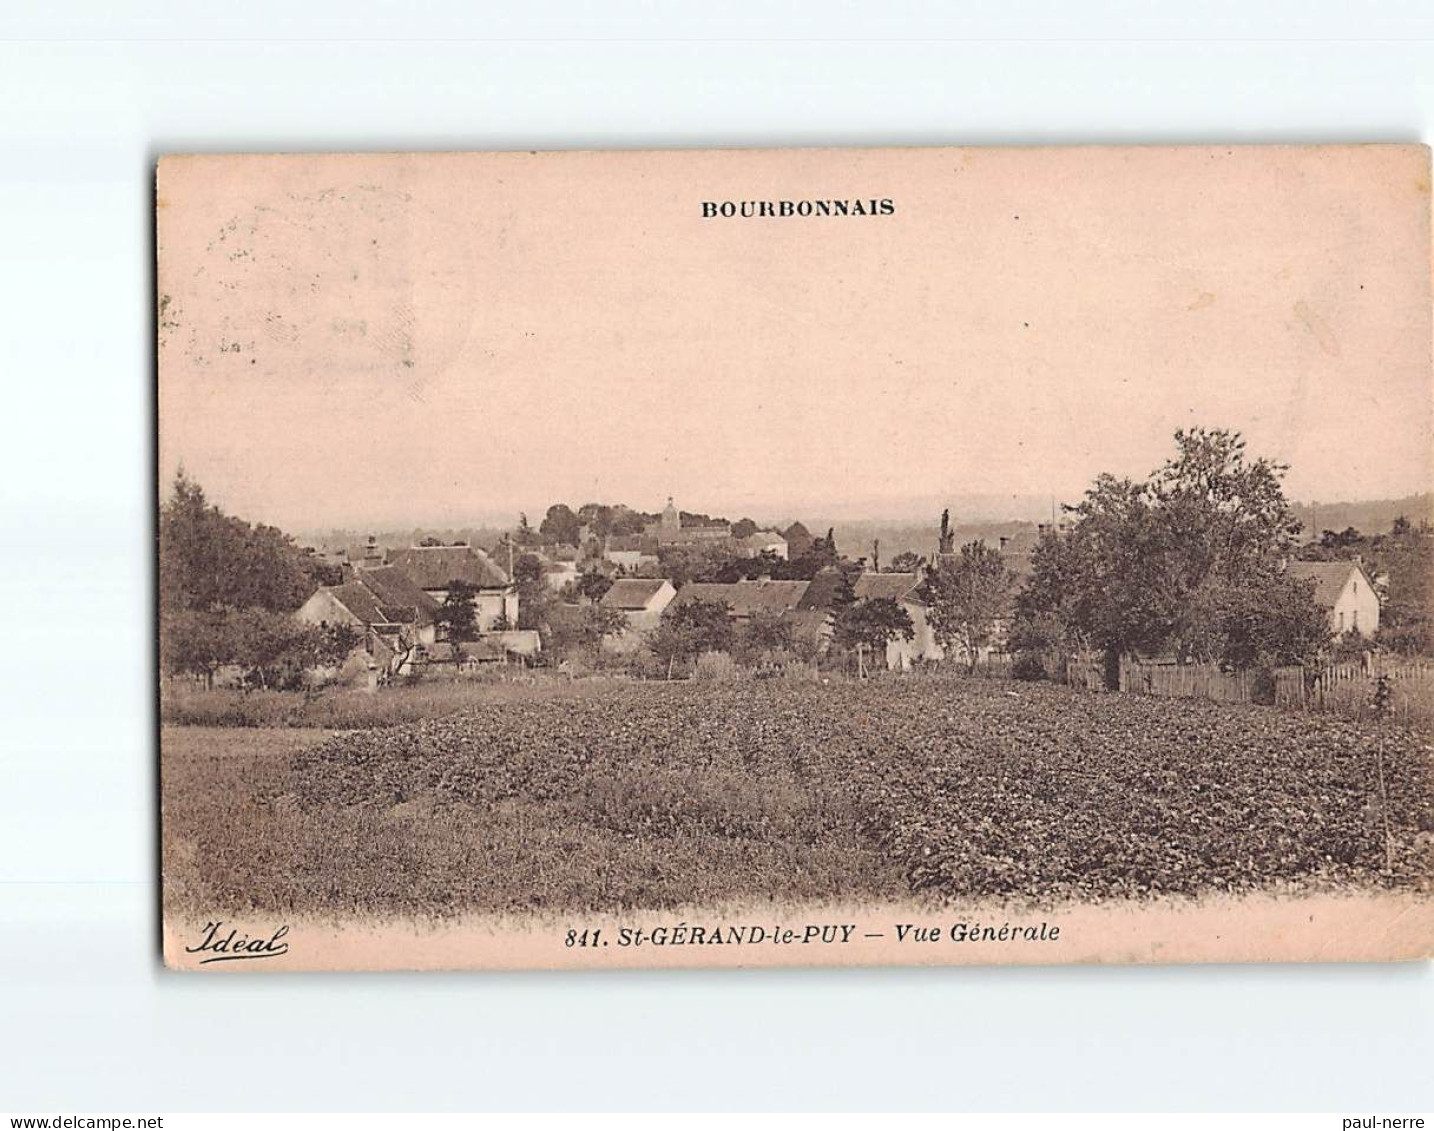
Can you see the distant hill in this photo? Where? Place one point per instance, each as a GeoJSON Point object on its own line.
{"type": "Point", "coordinates": [1374, 517]}
{"type": "Point", "coordinates": [899, 530]}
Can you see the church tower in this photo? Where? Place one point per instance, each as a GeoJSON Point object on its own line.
{"type": "Point", "coordinates": [671, 520]}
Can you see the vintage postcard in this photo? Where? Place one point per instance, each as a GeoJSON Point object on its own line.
{"type": "Point", "coordinates": [795, 557]}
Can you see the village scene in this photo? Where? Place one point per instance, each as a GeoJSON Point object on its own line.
{"type": "Point", "coordinates": [695, 688]}
{"type": "Point", "coordinates": [524, 554]}
{"type": "Point", "coordinates": [610, 590]}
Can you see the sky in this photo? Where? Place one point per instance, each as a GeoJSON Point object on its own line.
{"type": "Point", "coordinates": [424, 340]}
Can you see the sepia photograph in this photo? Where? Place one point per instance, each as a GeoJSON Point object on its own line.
{"type": "Point", "coordinates": [819, 557]}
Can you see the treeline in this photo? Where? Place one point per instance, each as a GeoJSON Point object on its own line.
{"type": "Point", "coordinates": [1188, 563]}
{"type": "Point", "coordinates": [227, 592]}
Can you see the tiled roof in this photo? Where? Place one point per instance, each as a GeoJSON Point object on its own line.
{"type": "Point", "coordinates": [359, 600]}
{"type": "Point", "coordinates": [745, 598]}
{"type": "Point", "coordinates": [437, 567]}
{"type": "Point", "coordinates": [392, 586]}
{"type": "Point", "coordinates": [632, 593]}
{"type": "Point", "coordinates": [893, 586]}
{"type": "Point", "coordinates": [1329, 578]}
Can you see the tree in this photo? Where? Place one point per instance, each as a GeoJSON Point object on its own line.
{"type": "Point", "coordinates": [275, 649]}
{"type": "Point", "coordinates": [597, 622]}
{"type": "Point", "coordinates": [458, 613]}
{"type": "Point", "coordinates": [227, 590]}
{"type": "Point", "coordinates": [1187, 562]}
{"type": "Point", "coordinates": [209, 559]}
{"type": "Point", "coordinates": [535, 598]}
{"type": "Point", "coordinates": [908, 561]}
{"type": "Point", "coordinates": [760, 636]}
{"type": "Point", "coordinates": [1269, 619]}
{"type": "Point", "coordinates": [744, 528]}
{"type": "Point", "coordinates": [683, 564]}
{"type": "Point", "coordinates": [689, 630]}
{"type": "Point", "coordinates": [525, 535]}
{"type": "Point", "coordinates": [593, 585]}
{"type": "Point", "coordinates": [197, 642]}
{"type": "Point", "coordinates": [965, 597]}
{"type": "Point", "coordinates": [868, 625]}
{"type": "Point", "coordinates": [1404, 558]}
{"type": "Point", "coordinates": [561, 525]}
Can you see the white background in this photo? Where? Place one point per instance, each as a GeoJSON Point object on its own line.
{"type": "Point", "coordinates": [90, 93]}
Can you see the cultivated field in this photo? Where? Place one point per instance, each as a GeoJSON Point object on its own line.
{"type": "Point", "coordinates": [655, 796]}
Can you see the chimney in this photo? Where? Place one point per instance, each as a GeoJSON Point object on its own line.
{"type": "Point", "coordinates": [1004, 540]}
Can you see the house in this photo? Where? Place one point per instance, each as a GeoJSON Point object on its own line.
{"type": "Point", "coordinates": [903, 588]}
{"type": "Point", "coordinates": [785, 601]}
{"type": "Point", "coordinates": [745, 599]}
{"type": "Point", "coordinates": [1016, 550]}
{"type": "Point", "coordinates": [762, 542]}
{"type": "Point", "coordinates": [434, 569]}
{"type": "Point", "coordinates": [669, 530]}
{"type": "Point", "coordinates": [630, 551]}
{"type": "Point", "coordinates": [641, 600]}
{"type": "Point", "coordinates": [1344, 591]}
{"type": "Point", "coordinates": [492, 648]}
{"type": "Point", "coordinates": [558, 575]}
{"type": "Point", "coordinates": [394, 616]}
{"type": "Point", "coordinates": [559, 563]}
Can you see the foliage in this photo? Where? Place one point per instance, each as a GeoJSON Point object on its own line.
{"type": "Point", "coordinates": [560, 525]}
{"type": "Point", "coordinates": [208, 559]}
{"type": "Point", "coordinates": [273, 649]}
{"type": "Point", "coordinates": [588, 628]}
{"type": "Point", "coordinates": [965, 596]}
{"type": "Point", "coordinates": [1187, 562]}
{"type": "Point", "coordinates": [458, 616]}
{"type": "Point", "coordinates": [908, 561]}
{"type": "Point", "coordinates": [663, 796]}
{"type": "Point", "coordinates": [535, 598]}
{"type": "Point", "coordinates": [821, 555]}
{"type": "Point", "coordinates": [871, 624]}
{"type": "Point", "coordinates": [593, 585]}
{"type": "Point", "coordinates": [760, 636]}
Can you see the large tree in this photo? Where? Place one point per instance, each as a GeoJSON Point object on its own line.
{"type": "Point", "coordinates": [560, 524]}
{"type": "Point", "coordinates": [689, 630]}
{"type": "Point", "coordinates": [1187, 562]}
{"type": "Point", "coordinates": [966, 595]}
{"type": "Point", "coordinates": [209, 559]}
{"type": "Point", "coordinates": [226, 589]}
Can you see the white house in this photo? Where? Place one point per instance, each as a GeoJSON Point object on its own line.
{"type": "Point", "coordinates": [630, 551]}
{"type": "Point", "coordinates": [641, 600]}
{"type": "Point", "coordinates": [1345, 592]}
{"type": "Point", "coordinates": [763, 542]}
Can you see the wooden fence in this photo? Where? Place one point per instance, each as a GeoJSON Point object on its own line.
{"type": "Point", "coordinates": [1348, 689]}
{"type": "Point", "coordinates": [1085, 673]}
{"type": "Point", "coordinates": [1199, 681]}
{"type": "Point", "coordinates": [1343, 689]}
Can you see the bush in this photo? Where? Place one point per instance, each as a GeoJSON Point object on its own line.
{"type": "Point", "coordinates": [1263, 689]}
{"type": "Point", "coordinates": [1028, 666]}
{"type": "Point", "coordinates": [718, 667]}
